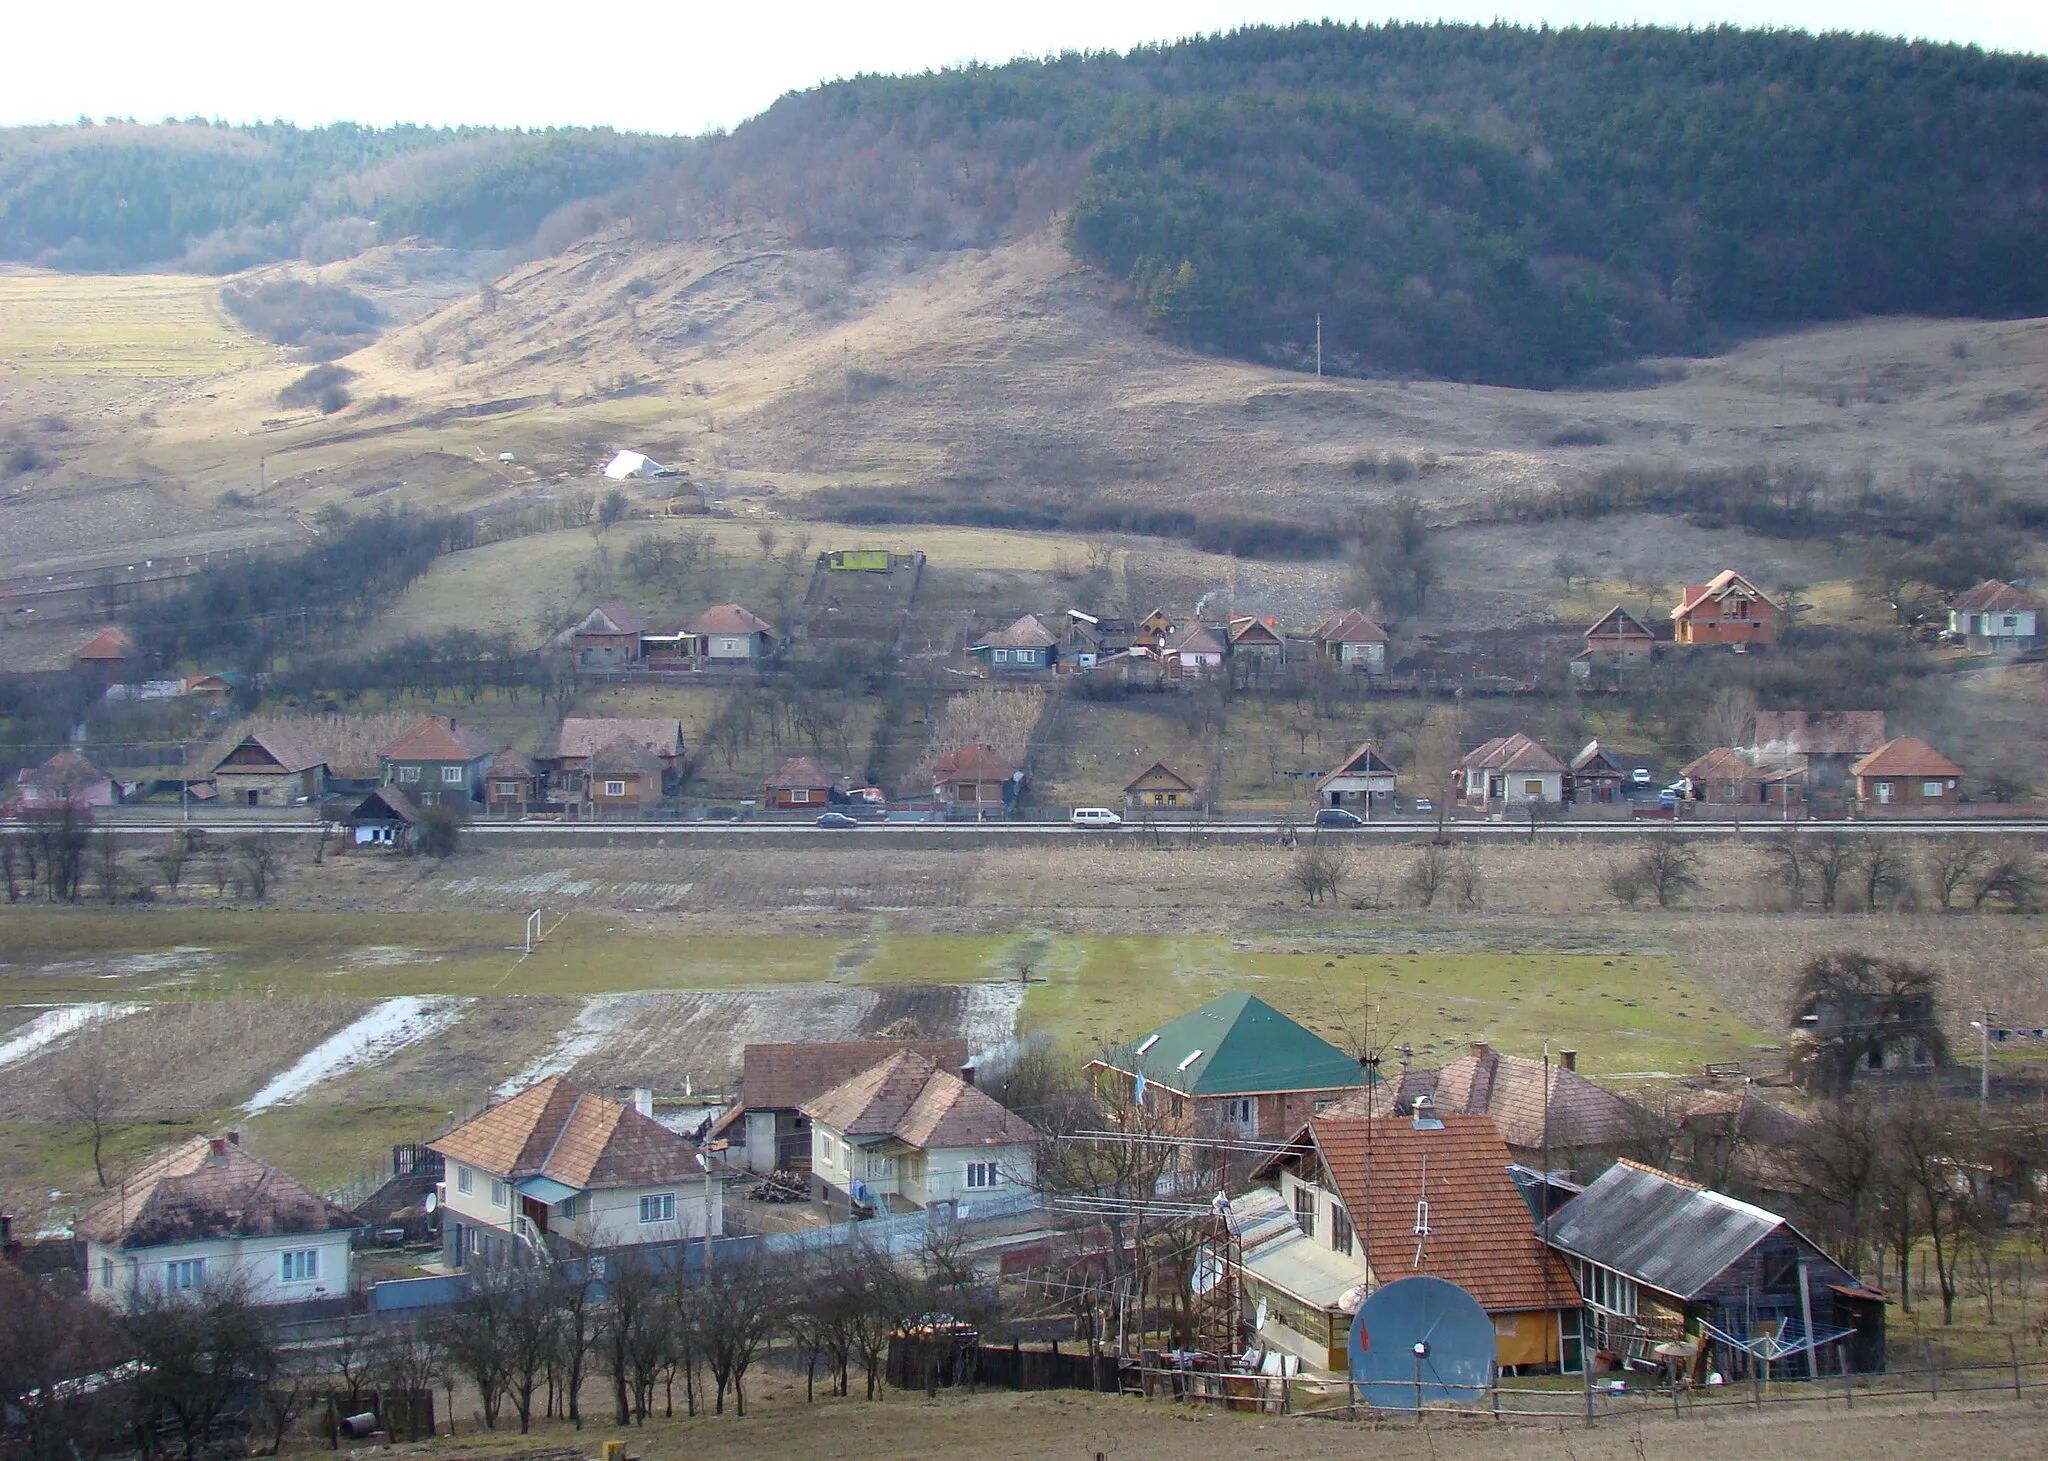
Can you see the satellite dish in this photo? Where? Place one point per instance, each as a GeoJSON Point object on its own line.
{"type": "Point", "coordinates": [1421, 1341]}
{"type": "Point", "coordinates": [433, 1203]}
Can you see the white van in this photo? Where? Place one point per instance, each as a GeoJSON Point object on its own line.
{"type": "Point", "coordinates": [1094, 817]}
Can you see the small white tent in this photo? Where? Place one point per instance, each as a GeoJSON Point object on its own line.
{"type": "Point", "coordinates": [632, 464]}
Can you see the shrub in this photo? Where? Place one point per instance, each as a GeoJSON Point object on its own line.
{"type": "Point", "coordinates": [439, 833]}
{"type": "Point", "coordinates": [314, 388]}
{"type": "Point", "coordinates": [1579, 436]}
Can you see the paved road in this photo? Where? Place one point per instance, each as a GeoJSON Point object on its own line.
{"type": "Point", "coordinates": [1399, 827]}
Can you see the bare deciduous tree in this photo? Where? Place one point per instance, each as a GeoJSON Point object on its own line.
{"type": "Point", "coordinates": [1318, 871]}
{"type": "Point", "coordinates": [259, 862]}
{"type": "Point", "coordinates": [1952, 865]}
{"type": "Point", "coordinates": [1428, 874]}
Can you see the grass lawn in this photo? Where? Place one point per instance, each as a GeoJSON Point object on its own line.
{"type": "Point", "coordinates": [1624, 1013]}
{"type": "Point", "coordinates": [132, 324]}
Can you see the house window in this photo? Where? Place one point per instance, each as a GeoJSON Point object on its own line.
{"type": "Point", "coordinates": [615, 788]}
{"type": "Point", "coordinates": [464, 1180]}
{"type": "Point", "coordinates": [498, 1193]}
{"type": "Point", "coordinates": [1340, 1229]}
{"type": "Point", "coordinates": [184, 1274]}
{"type": "Point", "coordinates": [1305, 1208]}
{"type": "Point", "coordinates": [452, 775]}
{"type": "Point", "coordinates": [983, 1174]}
{"type": "Point", "coordinates": [1781, 1270]}
{"type": "Point", "coordinates": [408, 773]}
{"type": "Point", "coordinates": [1930, 788]}
{"type": "Point", "coordinates": [826, 1153]}
{"type": "Point", "coordinates": [799, 795]}
{"type": "Point", "coordinates": [1607, 1290]}
{"type": "Point", "coordinates": [508, 788]}
{"type": "Point", "coordinates": [1532, 787]}
{"type": "Point", "coordinates": [566, 1207]}
{"type": "Point", "coordinates": [298, 1265]}
{"type": "Point", "coordinates": [658, 1207]}
{"type": "Point", "coordinates": [1241, 1111]}
{"type": "Point", "coordinates": [881, 1168]}
{"type": "Point", "coordinates": [106, 1273]}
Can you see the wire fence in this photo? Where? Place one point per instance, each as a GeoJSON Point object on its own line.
{"type": "Point", "coordinates": [1594, 1400]}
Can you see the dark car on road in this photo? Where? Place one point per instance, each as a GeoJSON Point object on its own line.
{"type": "Point", "coordinates": [1338, 817]}
{"type": "Point", "coordinates": [838, 819]}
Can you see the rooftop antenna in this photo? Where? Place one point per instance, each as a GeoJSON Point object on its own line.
{"type": "Point", "coordinates": [1319, 345]}
{"type": "Point", "coordinates": [1422, 1217]}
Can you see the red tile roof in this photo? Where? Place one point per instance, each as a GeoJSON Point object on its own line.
{"type": "Point", "coordinates": [1350, 627]}
{"type": "Point", "coordinates": [1481, 1236]}
{"type": "Point", "coordinates": [973, 763]}
{"type": "Point", "coordinates": [781, 1077]}
{"type": "Point", "coordinates": [108, 644]}
{"type": "Point", "coordinates": [1721, 764]}
{"type": "Point", "coordinates": [281, 746]}
{"type": "Point", "coordinates": [583, 735]}
{"type": "Point", "coordinates": [612, 617]}
{"type": "Point", "coordinates": [67, 771]}
{"type": "Point", "coordinates": [908, 1098]}
{"type": "Point", "coordinates": [1025, 633]}
{"type": "Point", "coordinates": [1192, 639]}
{"type": "Point", "coordinates": [1905, 756]}
{"type": "Point", "coordinates": [729, 619]}
{"type": "Point", "coordinates": [798, 771]}
{"type": "Point", "coordinates": [1723, 584]}
{"type": "Point", "coordinates": [1247, 628]}
{"type": "Point", "coordinates": [1993, 596]}
{"type": "Point", "coordinates": [194, 1192]}
{"type": "Point", "coordinates": [1511, 753]}
{"type": "Point", "coordinates": [554, 1129]}
{"type": "Point", "coordinates": [439, 738]}
{"type": "Point", "coordinates": [1509, 1089]}
{"type": "Point", "coordinates": [624, 754]}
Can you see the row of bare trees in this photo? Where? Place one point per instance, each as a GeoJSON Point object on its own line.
{"type": "Point", "coordinates": [1835, 870]}
{"type": "Point", "coordinates": [58, 857]}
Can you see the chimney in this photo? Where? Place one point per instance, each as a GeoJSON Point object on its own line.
{"type": "Point", "coordinates": [234, 1138]}
{"type": "Point", "coordinates": [1568, 1060]}
{"type": "Point", "coordinates": [1480, 1049]}
{"type": "Point", "coordinates": [1425, 1118]}
{"type": "Point", "coordinates": [967, 1074]}
{"type": "Point", "coordinates": [219, 1146]}
{"type": "Point", "coordinates": [643, 1100]}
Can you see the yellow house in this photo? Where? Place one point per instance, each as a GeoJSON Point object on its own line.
{"type": "Point", "coordinates": [1159, 787]}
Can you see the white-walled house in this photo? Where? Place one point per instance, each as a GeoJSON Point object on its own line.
{"type": "Point", "coordinates": [206, 1212]}
{"type": "Point", "coordinates": [557, 1165]}
{"type": "Point", "coordinates": [1994, 615]}
{"type": "Point", "coordinates": [1511, 771]}
{"type": "Point", "coordinates": [905, 1133]}
{"type": "Point", "coordinates": [776, 1078]}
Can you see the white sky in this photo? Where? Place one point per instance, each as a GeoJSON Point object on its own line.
{"type": "Point", "coordinates": [684, 66]}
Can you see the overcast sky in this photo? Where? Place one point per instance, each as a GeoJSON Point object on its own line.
{"type": "Point", "coordinates": [682, 66]}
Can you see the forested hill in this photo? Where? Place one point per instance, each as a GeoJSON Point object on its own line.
{"type": "Point", "coordinates": [217, 198]}
{"type": "Point", "coordinates": [1486, 203]}
{"type": "Point", "coordinates": [1482, 203]}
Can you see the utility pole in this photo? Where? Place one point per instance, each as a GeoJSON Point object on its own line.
{"type": "Point", "coordinates": [1319, 346]}
{"type": "Point", "coordinates": [1984, 1056]}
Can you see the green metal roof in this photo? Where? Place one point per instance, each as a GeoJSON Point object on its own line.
{"type": "Point", "coordinates": [1234, 1046]}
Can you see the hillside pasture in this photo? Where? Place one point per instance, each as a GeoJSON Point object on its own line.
{"type": "Point", "coordinates": [167, 325]}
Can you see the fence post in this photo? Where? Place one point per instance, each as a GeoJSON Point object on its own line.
{"type": "Point", "coordinates": [1933, 1375]}
{"type": "Point", "coordinates": [2013, 1350]}
{"type": "Point", "coordinates": [1586, 1384]}
{"type": "Point", "coordinates": [1848, 1381]}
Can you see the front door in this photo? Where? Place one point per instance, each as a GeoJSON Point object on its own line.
{"type": "Point", "coordinates": [537, 1211]}
{"type": "Point", "coordinates": [255, 798]}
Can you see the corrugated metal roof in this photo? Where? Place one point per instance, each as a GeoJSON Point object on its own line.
{"type": "Point", "coordinates": [1669, 1234]}
{"type": "Point", "coordinates": [1237, 1045]}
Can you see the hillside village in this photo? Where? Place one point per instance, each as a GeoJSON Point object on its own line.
{"type": "Point", "coordinates": [1326, 731]}
{"type": "Point", "coordinates": [856, 614]}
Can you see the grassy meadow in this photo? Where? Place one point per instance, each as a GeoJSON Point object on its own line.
{"type": "Point", "coordinates": [124, 324]}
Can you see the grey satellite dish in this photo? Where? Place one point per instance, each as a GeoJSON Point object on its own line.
{"type": "Point", "coordinates": [1421, 1341]}
{"type": "Point", "coordinates": [433, 1202]}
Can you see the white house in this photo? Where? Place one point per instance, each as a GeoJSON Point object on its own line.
{"type": "Point", "coordinates": [206, 1212]}
{"type": "Point", "coordinates": [905, 1133]}
{"type": "Point", "coordinates": [1511, 771]}
{"type": "Point", "coordinates": [1995, 615]}
{"type": "Point", "coordinates": [1361, 781]}
{"type": "Point", "coordinates": [559, 1166]}
{"type": "Point", "coordinates": [1353, 641]}
{"type": "Point", "coordinates": [732, 634]}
